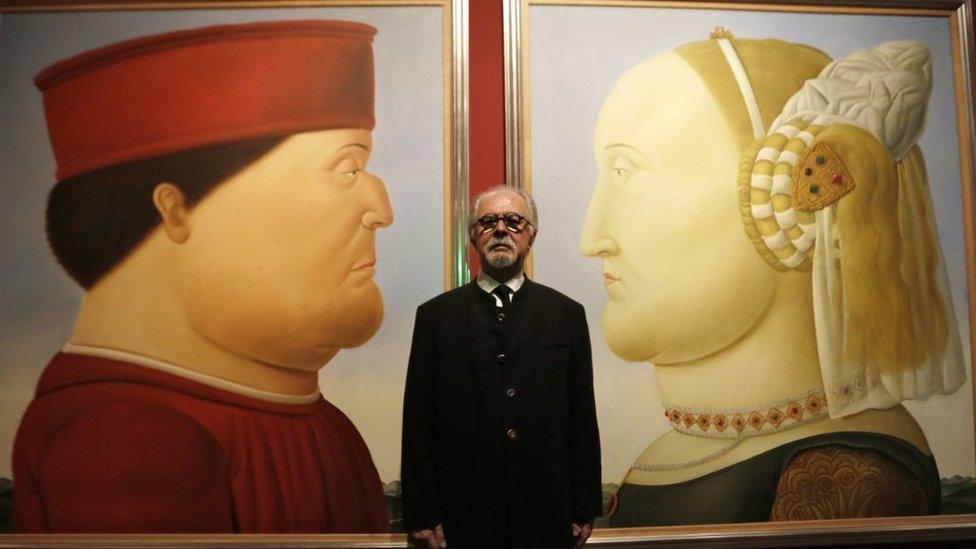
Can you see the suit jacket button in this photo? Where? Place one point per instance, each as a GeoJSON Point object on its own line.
{"type": "Point", "coordinates": [501, 358]}
{"type": "Point", "coordinates": [512, 434]}
{"type": "Point", "coordinates": [510, 393]}
{"type": "Point", "coordinates": [501, 317]}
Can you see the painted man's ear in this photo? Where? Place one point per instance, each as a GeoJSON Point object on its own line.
{"type": "Point", "coordinates": [171, 205]}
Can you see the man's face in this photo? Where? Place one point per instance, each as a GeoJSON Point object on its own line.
{"type": "Point", "coordinates": [502, 246]}
{"type": "Point", "coordinates": [280, 259]}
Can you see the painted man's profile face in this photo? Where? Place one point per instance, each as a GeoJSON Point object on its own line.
{"type": "Point", "coordinates": [682, 278]}
{"type": "Point", "coordinates": [280, 259]}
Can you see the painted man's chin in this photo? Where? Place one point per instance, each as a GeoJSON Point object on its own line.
{"type": "Point", "coordinates": [357, 315]}
{"type": "Point", "coordinates": [312, 360]}
{"type": "Point", "coordinates": [363, 331]}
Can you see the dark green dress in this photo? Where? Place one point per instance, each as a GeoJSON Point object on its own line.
{"type": "Point", "coordinates": [745, 491]}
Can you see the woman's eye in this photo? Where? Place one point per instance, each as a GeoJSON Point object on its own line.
{"type": "Point", "coordinates": [620, 175]}
{"type": "Point", "coordinates": [621, 170]}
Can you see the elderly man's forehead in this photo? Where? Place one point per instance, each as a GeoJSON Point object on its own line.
{"type": "Point", "coordinates": [502, 201]}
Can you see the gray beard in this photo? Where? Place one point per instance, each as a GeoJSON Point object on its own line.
{"type": "Point", "coordinates": [502, 260]}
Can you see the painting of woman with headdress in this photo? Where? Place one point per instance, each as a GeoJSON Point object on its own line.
{"type": "Point", "coordinates": [838, 309]}
{"type": "Point", "coordinates": [762, 216]}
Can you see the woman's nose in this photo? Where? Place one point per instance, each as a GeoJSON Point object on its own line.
{"type": "Point", "coordinates": [601, 247]}
{"type": "Point", "coordinates": [594, 239]}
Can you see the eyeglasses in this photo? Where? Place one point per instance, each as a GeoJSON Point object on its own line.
{"type": "Point", "coordinates": [514, 222]}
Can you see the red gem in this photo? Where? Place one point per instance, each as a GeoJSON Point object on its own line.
{"type": "Point", "coordinates": [836, 178]}
{"type": "Point", "coordinates": [795, 411]}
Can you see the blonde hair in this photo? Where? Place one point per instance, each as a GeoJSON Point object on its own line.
{"type": "Point", "coordinates": [883, 288]}
{"type": "Point", "coordinates": [781, 67]}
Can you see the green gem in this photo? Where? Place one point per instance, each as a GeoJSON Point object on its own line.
{"type": "Point", "coordinates": [815, 189]}
{"type": "Point", "coordinates": [820, 160]}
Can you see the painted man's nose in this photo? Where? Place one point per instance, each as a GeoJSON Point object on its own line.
{"type": "Point", "coordinates": [379, 213]}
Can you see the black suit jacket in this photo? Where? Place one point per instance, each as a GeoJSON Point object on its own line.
{"type": "Point", "coordinates": [500, 440]}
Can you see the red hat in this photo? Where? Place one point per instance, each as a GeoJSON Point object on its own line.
{"type": "Point", "coordinates": [180, 90]}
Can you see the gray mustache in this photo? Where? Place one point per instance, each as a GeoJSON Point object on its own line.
{"type": "Point", "coordinates": [506, 240]}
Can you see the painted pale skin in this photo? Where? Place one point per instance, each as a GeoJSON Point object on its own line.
{"type": "Point", "coordinates": [264, 280]}
{"type": "Point", "coordinates": [686, 289]}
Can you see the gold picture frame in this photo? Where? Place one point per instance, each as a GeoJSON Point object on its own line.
{"type": "Point", "coordinates": [887, 530]}
{"type": "Point", "coordinates": [438, 175]}
{"type": "Point", "coordinates": [540, 121]}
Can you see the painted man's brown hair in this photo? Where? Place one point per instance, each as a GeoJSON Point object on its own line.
{"type": "Point", "coordinates": [96, 219]}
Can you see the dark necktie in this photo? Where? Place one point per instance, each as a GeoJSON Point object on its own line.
{"type": "Point", "coordinates": [503, 291]}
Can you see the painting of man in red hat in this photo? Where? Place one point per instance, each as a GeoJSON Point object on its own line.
{"type": "Point", "coordinates": [215, 203]}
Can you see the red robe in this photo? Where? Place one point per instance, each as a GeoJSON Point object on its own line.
{"type": "Point", "coordinates": [108, 446]}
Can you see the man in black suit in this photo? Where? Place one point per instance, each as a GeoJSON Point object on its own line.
{"type": "Point", "coordinates": [500, 440]}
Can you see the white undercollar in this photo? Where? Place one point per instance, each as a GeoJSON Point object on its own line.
{"type": "Point", "coordinates": [487, 283]}
{"type": "Point", "coordinates": [159, 365]}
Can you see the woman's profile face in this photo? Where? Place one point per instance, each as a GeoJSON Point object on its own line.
{"type": "Point", "coordinates": [683, 279]}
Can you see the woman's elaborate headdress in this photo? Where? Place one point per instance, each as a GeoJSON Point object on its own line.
{"type": "Point", "coordinates": [837, 186]}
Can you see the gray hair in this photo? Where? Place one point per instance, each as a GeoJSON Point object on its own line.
{"type": "Point", "coordinates": [533, 214]}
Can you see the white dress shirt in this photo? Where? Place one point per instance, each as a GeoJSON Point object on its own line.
{"type": "Point", "coordinates": [488, 284]}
